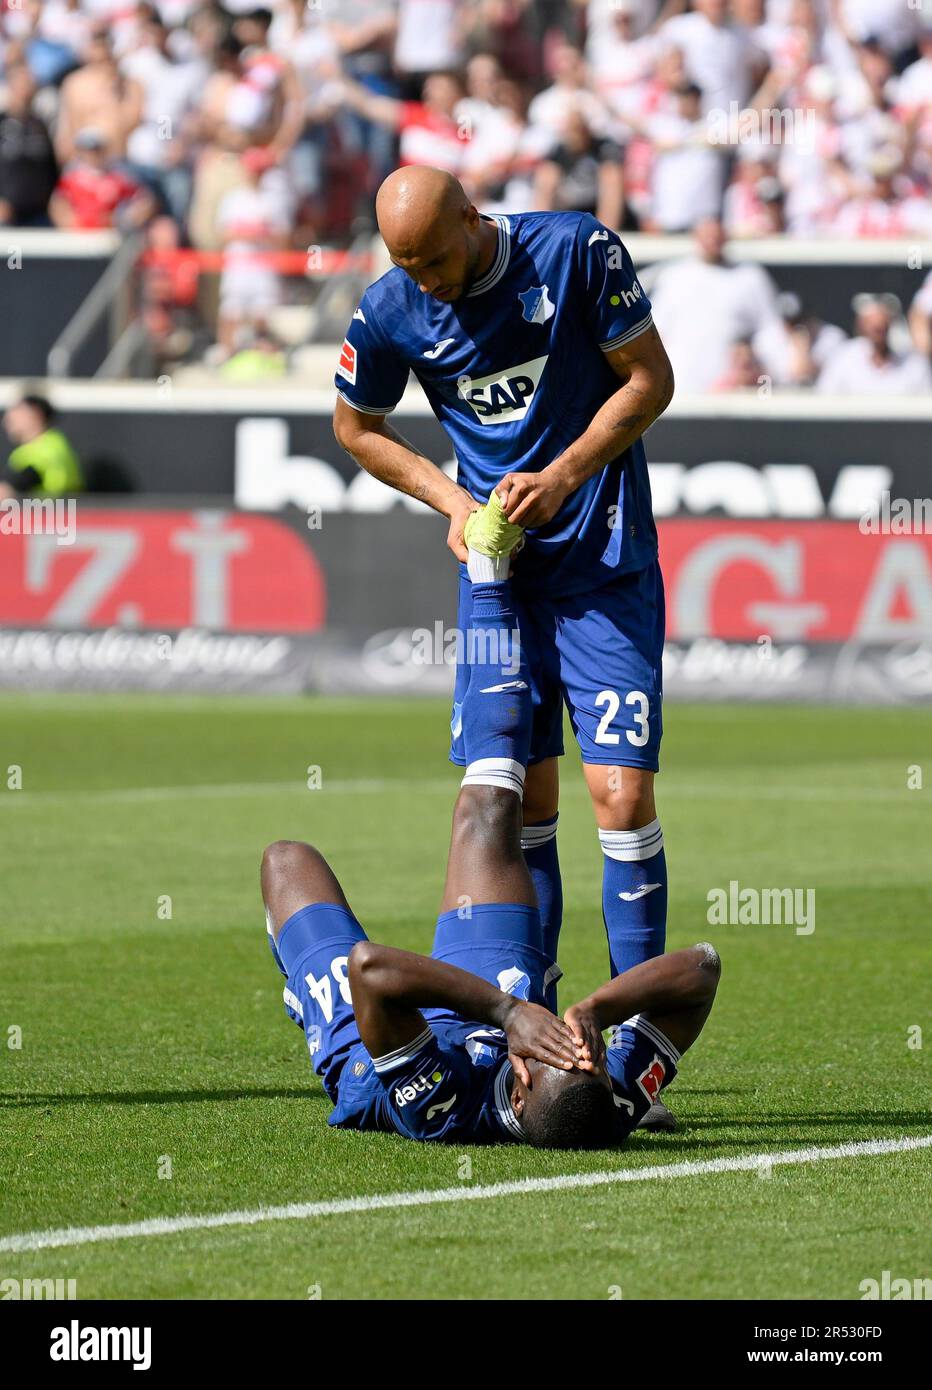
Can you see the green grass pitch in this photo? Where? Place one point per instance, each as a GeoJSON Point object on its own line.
{"type": "Point", "coordinates": [147, 1037]}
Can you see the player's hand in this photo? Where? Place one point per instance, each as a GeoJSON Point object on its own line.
{"type": "Point", "coordinates": [460, 509]}
{"type": "Point", "coordinates": [533, 1031]}
{"type": "Point", "coordinates": [531, 499]}
{"type": "Point", "coordinates": [587, 1036]}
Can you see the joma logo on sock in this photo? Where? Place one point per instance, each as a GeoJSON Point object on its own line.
{"type": "Point", "coordinates": [77, 1343]}
{"type": "Point", "coordinates": [735, 906]}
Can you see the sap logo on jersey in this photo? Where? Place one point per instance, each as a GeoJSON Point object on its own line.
{"type": "Point", "coordinates": [411, 1092]}
{"type": "Point", "coordinates": [504, 396]}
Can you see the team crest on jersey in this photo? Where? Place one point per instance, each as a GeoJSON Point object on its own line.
{"type": "Point", "coordinates": [651, 1079]}
{"type": "Point", "coordinates": [514, 981]}
{"type": "Point", "coordinates": [484, 1046]}
{"type": "Point", "coordinates": [346, 367]}
{"type": "Point", "coordinates": [536, 305]}
{"type": "Point", "coordinates": [505, 396]}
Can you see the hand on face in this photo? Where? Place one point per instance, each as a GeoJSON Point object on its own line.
{"type": "Point", "coordinates": [587, 1037]}
{"type": "Point", "coordinates": [534, 1033]}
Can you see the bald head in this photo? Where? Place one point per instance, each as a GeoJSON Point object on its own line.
{"type": "Point", "coordinates": [413, 204]}
{"type": "Point", "coordinates": [432, 231]}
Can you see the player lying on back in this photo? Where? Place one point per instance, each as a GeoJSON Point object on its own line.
{"type": "Point", "coordinates": [465, 1045]}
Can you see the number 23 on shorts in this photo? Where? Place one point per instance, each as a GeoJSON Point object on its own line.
{"type": "Point", "coordinates": [611, 702]}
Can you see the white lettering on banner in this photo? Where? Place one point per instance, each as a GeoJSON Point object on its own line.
{"type": "Point", "coordinates": [903, 571]}
{"type": "Point", "coordinates": [900, 578]}
{"type": "Point", "coordinates": [781, 560]}
{"type": "Point", "coordinates": [267, 477]}
{"type": "Point", "coordinates": [112, 552]}
{"type": "Point", "coordinates": [211, 548]}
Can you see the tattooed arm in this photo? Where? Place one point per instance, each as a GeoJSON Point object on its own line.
{"type": "Point", "coordinates": [642, 366]}
{"type": "Point", "coordinates": [382, 451]}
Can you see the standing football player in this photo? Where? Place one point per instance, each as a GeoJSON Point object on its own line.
{"type": "Point", "coordinates": [534, 344]}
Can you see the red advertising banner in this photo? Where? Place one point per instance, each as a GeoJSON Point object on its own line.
{"type": "Point", "coordinates": [205, 568]}
{"type": "Point", "coordinates": [218, 570]}
{"type": "Point", "coordinates": [809, 581]}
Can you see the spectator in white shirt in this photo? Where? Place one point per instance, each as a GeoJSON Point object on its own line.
{"type": "Point", "coordinates": [892, 23]}
{"type": "Point", "coordinates": [570, 92]}
{"type": "Point", "coordinates": [811, 170]}
{"type": "Point", "coordinates": [621, 63]}
{"type": "Point", "coordinates": [508, 155]}
{"type": "Point", "coordinates": [65, 22]}
{"type": "Point", "coordinates": [254, 224]}
{"type": "Point", "coordinates": [703, 306]}
{"type": "Point", "coordinates": [688, 174]}
{"type": "Point", "coordinates": [721, 56]}
{"type": "Point", "coordinates": [494, 113]}
{"type": "Point", "coordinates": [158, 147]}
{"type": "Point", "coordinates": [746, 213]}
{"type": "Point", "coordinates": [920, 317]}
{"type": "Point", "coordinates": [868, 364]}
{"type": "Point", "coordinates": [890, 207]}
{"type": "Point", "coordinates": [914, 86]}
{"type": "Point", "coordinates": [429, 39]}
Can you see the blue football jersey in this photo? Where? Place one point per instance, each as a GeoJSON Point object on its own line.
{"type": "Point", "coordinates": [515, 371]}
{"type": "Point", "coordinates": [450, 1085]}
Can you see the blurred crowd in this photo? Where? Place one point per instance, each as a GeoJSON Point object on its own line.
{"type": "Point", "coordinates": [257, 131]}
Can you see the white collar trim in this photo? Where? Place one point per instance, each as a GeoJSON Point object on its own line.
{"type": "Point", "coordinates": [503, 1107]}
{"type": "Point", "coordinates": [502, 256]}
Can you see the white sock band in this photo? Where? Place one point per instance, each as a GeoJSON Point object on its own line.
{"type": "Point", "coordinates": [487, 569]}
{"type": "Point", "coordinates": [629, 846]}
{"type": "Point", "coordinates": [534, 835]}
{"type": "Point", "coordinates": [495, 772]}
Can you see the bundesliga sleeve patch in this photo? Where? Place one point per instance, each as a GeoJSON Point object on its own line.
{"type": "Point", "coordinates": [346, 367]}
{"type": "Point", "coordinates": [651, 1079]}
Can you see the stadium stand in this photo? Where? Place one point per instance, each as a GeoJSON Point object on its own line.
{"type": "Point", "coordinates": [238, 150]}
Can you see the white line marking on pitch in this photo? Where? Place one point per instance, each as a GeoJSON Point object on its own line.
{"type": "Point", "coordinates": [374, 785]}
{"type": "Point", "coordinates": [224, 789]}
{"type": "Point", "coordinates": [304, 1211]}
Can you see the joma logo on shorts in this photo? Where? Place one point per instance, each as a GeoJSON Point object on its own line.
{"type": "Point", "coordinates": [504, 396]}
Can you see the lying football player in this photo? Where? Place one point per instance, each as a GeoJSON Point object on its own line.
{"type": "Point", "coordinates": [465, 1045]}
